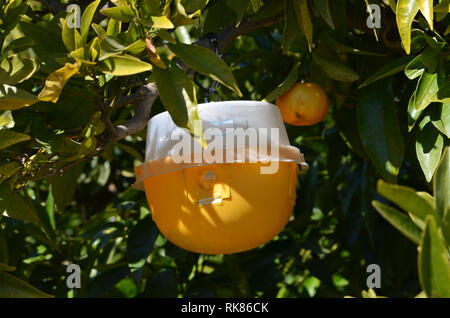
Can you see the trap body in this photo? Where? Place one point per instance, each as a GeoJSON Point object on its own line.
{"type": "Point", "coordinates": [231, 195]}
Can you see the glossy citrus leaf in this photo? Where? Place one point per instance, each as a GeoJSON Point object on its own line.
{"type": "Point", "coordinates": [440, 117]}
{"type": "Point", "coordinates": [413, 113]}
{"type": "Point", "coordinates": [206, 62]}
{"type": "Point", "coordinates": [13, 287]}
{"type": "Point", "coordinates": [399, 220]}
{"type": "Point", "coordinates": [431, 88]}
{"type": "Point", "coordinates": [159, 22]}
{"type": "Point", "coordinates": [141, 239]}
{"type": "Point", "coordinates": [123, 65]}
{"type": "Point", "coordinates": [380, 133]}
{"type": "Point", "coordinates": [406, 11]}
{"type": "Point", "coordinates": [420, 204]}
{"type": "Point", "coordinates": [177, 93]}
{"type": "Point", "coordinates": [443, 6]}
{"type": "Point", "coordinates": [304, 20]}
{"type": "Point", "coordinates": [15, 69]}
{"type": "Point", "coordinates": [434, 264]}
{"type": "Point", "coordinates": [12, 98]}
{"type": "Point", "coordinates": [429, 145]}
{"type": "Point", "coordinates": [122, 14]}
{"type": "Point", "coordinates": [441, 187]}
{"type": "Point", "coordinates": [324, 10]}
{"type": "Point", "coordinates": [56, 81]}
{"type": "Point", "coordinates": [86, 20]}
{"type": "Point", "coordinates": [10, 137]}
{"type": "Point", "coordinates": [389, 69]}
{"type": "Point", "coordinates": [114, 27]}
{"type": "Point", "coordinates": [426, 7]}
{"type": "Point", "coordinates": [285, 85]}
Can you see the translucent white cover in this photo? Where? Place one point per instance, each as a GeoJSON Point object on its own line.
{"type": "Point", "coordinates": [259, 123]}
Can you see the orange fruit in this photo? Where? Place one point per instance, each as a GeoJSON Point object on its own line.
{"type": "Point", "coordinates": [304, 104]}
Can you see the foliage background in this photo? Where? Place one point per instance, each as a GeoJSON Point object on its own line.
{"type": "Point", "coordinates": [65, 176]}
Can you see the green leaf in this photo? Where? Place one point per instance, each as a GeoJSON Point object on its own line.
{"type": "Point", "coordinates": [324, 10]}
{"type": "Point", "coordinates": [70, 34]}
{"type": "Point", "coordinates": [123, 65]}
{"type": "Point", "coordinates": [9, 137]}
{"type": "Point", "coordinates": [406, 11]}
{"type": "Point", "coordinates": [399, 220]}
{"type": "Point", "coordinates": [333, 66]}
{"type": "Point", "coordinates": [18, 45]}
{"type": "Point", "coordinates": [413, 113]}
{"type": "Point", "coordinates": [380, 133]}
{"type": "Point", "coordinates": [109, 46]}
{"type": "Point", "coordinates": [392, 68]}
{"type": "Point", "coordinates": [429, 145]}
{"type": "Point", "coordinates": [64, 186]}
{"type": "Point", "coordinates": [206, 62]}
{"type": "Point", "coordinates": [12, 287]}
{"type": "Point", "coordinates": [304, 20]}
{"type": "Point", "coordinates": [159, 22]}
{"type": "Point", "coordinates": [86, 21]}
{"type": "Point", "coordinates": [141, 239]}
{"type": "Point", "coordinates": [240, 8]}
{"type": "Point", "coordinates": [285, 85]}
{"type": "Point", "coordinates": [434, 265]}
{"type": "Point", "coordinates": [440, 117]}
{"type": "Point", "coordinates": [443, 6]}
{"type": "Point", "coordinates": [431, 88]}
{"type": "Point", "coordinates": [114, 27]}
{"type": "Point", "coordinates": [441, 188]}
{"type": "Point", "coordinates": [123, 14]}
{"type": "Point", "coordinates": [420, 204]}
{"type": "Point", "coordinates": [14, 69]}
{"type": "Point", "coordinates": [17, 208]}
{"type": "Point", "coordinates": [290, 32]}
{"type": "Point", "coordinates": [426, 7]}
{"type": "Point", "coordinates": [6, 268]}
{"type": "Point", "coordinates": [177, 93]}
{"type": "Point", "coordinates": [427, 60]}
{"type": "Point", "coordinates": [12, 98]}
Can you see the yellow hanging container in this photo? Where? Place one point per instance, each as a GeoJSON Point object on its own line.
{"type": "Point", "coordinates": [233, 194]}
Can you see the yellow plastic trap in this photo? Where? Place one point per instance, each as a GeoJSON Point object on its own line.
{"type": "Point", "coordinates": [234, 203]}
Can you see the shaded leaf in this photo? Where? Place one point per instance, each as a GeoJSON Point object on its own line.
{"type": "Point", "coordinates": [392, 68]}
{"type": "Point", "coordinates": [440, 117]}
{"type": "Point", "coordinates": [9, 137]}
{"type": "Point", "coordinates": [12, 98]}
{"type": "Point", "coordinates": [141, 239]}
{"type": "Point", "coordinates": [429, 145]}
{"type": "Point", "coordinates": [64, 186]}
{"type": "Point", "coordinates": [399, 220]}
{"type": "Point", "coordinates": [13, 287]}
{"type": "Point", "coordinates": [380, 133]}
{"type": "Point", "coordinates": [304, 20]}
{"type": "Point", "coordinates": [285, 85]}
{"type": "Point", "coordinates": [324, 10]}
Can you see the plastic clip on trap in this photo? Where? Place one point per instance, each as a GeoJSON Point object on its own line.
{"type": "Point", "coordinates": [229, 196]}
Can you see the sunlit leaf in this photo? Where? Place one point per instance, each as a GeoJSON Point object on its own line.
{"type": "Point", "coordinates": [406, 11]}
{"type": "Point", "coordinates": [123, 14]}
{"type": "Point", "coordinates": [56, 81]}
{"type": "Point", "coordinates": [434, 264]}
{"type": "Point", "coordinates": [123, 65]}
